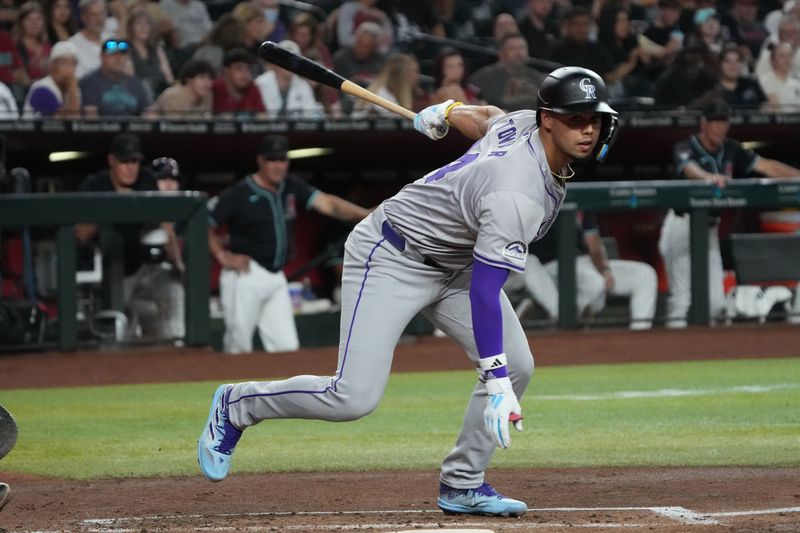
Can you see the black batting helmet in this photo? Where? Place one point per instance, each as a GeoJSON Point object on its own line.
{"type": "Point", "coordinates": [571, 90]}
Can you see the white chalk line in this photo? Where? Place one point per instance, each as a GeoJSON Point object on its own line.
{"type": "Point", "coordinates": [677, 514]}
{"type": "Point", "coordinates": [787, 510]}
{"type": "Point", "coordinates": [394, 526]}
{"type": "Point", "coordinates": [665, 393]}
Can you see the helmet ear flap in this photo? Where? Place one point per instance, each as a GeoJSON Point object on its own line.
{"type": "Point", "coordinates": [608, 135]}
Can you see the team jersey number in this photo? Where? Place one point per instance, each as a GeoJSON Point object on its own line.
{"type": "Point", "coordinates": [462, 161]}
{"type": "Point", "coordinates": [505, 137]}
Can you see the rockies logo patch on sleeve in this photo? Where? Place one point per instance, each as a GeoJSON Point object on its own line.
{"type": "Point", "coordinates": [516, 250]}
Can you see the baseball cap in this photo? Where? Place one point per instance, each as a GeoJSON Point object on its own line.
{"type": "Point", "coordinates": [716, 110]}
{"type": "Point", "coordinates": [64, 49]}
{"type": "Point", "coordinates": [126, 147]}
{"type": "Point", "coordinates": [274, 147]}
{"type": "Point", "coordinates": [703, 14]}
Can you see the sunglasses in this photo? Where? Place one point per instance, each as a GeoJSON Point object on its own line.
{"type": "Point", "coordinates": [112, 46]}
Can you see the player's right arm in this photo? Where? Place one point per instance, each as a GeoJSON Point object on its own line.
{"type": "Point", "coordinates": [471, 120]}
{"type": "Point", "coordinates": [220, 210]}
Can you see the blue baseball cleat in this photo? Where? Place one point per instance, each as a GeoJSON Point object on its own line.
{"type": "Point", "coordinates": [219, 437]}
{"type": "Point", "coordinates": [483, 500]}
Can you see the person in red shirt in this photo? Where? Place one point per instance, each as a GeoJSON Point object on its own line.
{"type": "Point", "coordinates": [234, 91]}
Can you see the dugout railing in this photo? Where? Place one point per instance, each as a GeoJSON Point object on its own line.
{"type": "Point", "coordinates": [64, 210]}
{"type": "Point", "coordinates": [67, 209]}
{"type": "Point", "coordinates": [696, 197]}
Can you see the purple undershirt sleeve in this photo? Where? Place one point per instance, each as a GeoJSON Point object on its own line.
{"type": "Point", "coordinates": [487, 315]}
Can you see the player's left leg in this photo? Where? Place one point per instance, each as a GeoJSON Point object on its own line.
{"type": "Point", "coordinates": [639, 282]}
{"type": "Point", "coordinates": [382, 290]}
{"type": "Point", "coordinates": [463, 487]}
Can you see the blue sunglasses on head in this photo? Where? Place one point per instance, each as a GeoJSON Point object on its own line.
{"type": "Point", "coordinates": [112, 46]}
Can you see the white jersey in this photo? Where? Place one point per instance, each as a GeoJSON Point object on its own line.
{"type": "Point", "coordinates": [486, 205]}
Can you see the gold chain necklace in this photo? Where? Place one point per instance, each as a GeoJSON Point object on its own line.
{"type": "Point", "coordinates": [570, 173]}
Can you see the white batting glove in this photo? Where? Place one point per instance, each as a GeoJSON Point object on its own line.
{"type": "Point", "coordinates": [431, 121]}
{"type": "Point", "coordinates": [501, 406]}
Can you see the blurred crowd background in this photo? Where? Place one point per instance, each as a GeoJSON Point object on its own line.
{"type": "Point", "coordinates": [198, 58]}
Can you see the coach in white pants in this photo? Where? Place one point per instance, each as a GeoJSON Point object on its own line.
{"type": "Point", "coordinates": [709, 156]}
{"type": "Point", "coordinates": [259, 212]}
{"type": "Point", "coordinates": [596, 276]}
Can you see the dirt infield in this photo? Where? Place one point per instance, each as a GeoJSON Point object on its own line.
{"type": "Point", "coordinates": [633, 499]}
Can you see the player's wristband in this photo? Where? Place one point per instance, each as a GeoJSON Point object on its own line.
{"type": "Point", "coordinates": [493, 367]}
{"type": "Point", "coordinates": [450, 108]}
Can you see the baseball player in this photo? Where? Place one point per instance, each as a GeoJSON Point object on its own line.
{"type": "Point", "coordinates": [596, 276]}
{"type": "Point", "coordinates": [444, 246]}
{"type": "Point", "coordinates": [260, 211]}
{"type": "Point", "coordinates": [711, 156]}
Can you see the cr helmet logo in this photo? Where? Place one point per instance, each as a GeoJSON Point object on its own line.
{"type": "Point", "coordinates": [587, 87]}
{"type": "Point", "coordinates": [516, 250]}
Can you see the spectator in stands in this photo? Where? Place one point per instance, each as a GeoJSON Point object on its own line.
{"type": "Point", "coordinates": [663, 39]}
{"type": "Point", "coordinates": [272, 13]}
{"type": "Point", "coordinates": [8, 103]}
{"type": "Point", "coordinates": [56, 95]}
{"type": "Point", "coordinates": [540, 27]}
{"type": "Point", "coordinates": [61, 24]}
{"type": "Point", "coordinates": [751, 29]}
{"type": "Point", "coordinates": [710, 156]}
{"type": "Point", "coordinates": [788, 32]}
{"type": "Point", "coordinates": [87, 42]}
{"type": "Point", "coordinates": [30, 36]}
{"type": "Point", "coordinates": [509, 83]}
{"type": "Point", "coordinates": [362, 61]}
{"type": "Point", "coordinates": [12, 69]}
{"type": "Point", "coordinates": [504, 24]}
{"type": "Point", "coordinates": [145, 284]}
{"type": "Point", "coordinates": [110, 91]}
{"type": "Point", "coordinates": [773, 17]}
{"type": "Point", "coordinates": [8, 14]}
{"type": "Point", "coordinates": [192, 23]}
{"type": "Point", "coordinates": [260, 212]}
{"type": "Point", "coordinates": [687, 80]}
{"type": "Point", "coordinates": [191, 96]}
{"type": "Point", "coordinates": [738, 89]}
{"type": "Point", "coordinates": [286, 94]}
{"type": "Point", "coordinates": [397, 82]}
{"type": "Point", "coordinates": [223, 37]}
{"type": "Point", "coordinates": [596, 277]}
{"type": "Point", "coordinates": [707, 31]}
{"type": "Point", "coordinates": [147, 54]}
{"type": "Point", "coordinates": [575, 46]}
{"type": "Point", "coordinates": [450, 74]}
{"type": "Point", "coordinates": [780, 87]}
{"type": "Point", "coordinates": [627, 77]}
{"type": "Point", "coordinates": [346, 19]}
{"type": "Point", "coordinates": [234, 91]}
{"type": "Point", "coordinates": [255, 27]}
{"type": "Point", "coordinates": [305, 31]}
{"type": "Point", "coordinates": [419, 15]}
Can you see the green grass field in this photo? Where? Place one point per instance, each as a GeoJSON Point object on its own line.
{"type": "Point", "coordinates": [740, 412]}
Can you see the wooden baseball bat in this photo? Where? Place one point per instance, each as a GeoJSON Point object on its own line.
{"type": "Point", "coordinates": [272, 53]}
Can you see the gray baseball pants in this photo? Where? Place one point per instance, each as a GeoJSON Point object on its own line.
{"type": "Point", "coordinates": [382, 290]}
